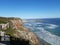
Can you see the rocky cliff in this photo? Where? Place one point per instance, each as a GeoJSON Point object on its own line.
{"type": "Point", "coordinates": [18, 31]}
{"type": "Point", "coordinates": [24, 33]}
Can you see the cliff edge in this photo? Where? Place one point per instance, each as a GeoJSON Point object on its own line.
{"type": "Point", "coordinates": [13, 27]}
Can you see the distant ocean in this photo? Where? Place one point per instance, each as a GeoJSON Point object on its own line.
{"type": "Point", "coordinates": [47, 29]}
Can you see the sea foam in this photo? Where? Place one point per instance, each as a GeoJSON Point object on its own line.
{"type": "Point", "coordinates": [48, 37]}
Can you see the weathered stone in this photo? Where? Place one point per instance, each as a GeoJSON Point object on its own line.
{"type": "Point", "coordinates": [20, 31]}
{"type": "Point", "coordinates": [24, 33]}
{"type": "Point", "coordinates": [4, 26]}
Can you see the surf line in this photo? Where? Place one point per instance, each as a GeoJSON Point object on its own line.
{"type": "Point", "coordinates": [48, 37]}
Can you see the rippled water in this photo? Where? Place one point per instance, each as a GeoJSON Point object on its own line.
{"type": "Point", "coordinates": [48, 30]}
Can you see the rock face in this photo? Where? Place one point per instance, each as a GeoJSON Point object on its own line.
{"type": "Point", "coordinates": [16, 29]}
{"type": "Point", "coordinates": [4, 26]}
{"type": "Point", "coordinates": [27, 36]}
{"type": "Point", "coordinates": [23, 33]}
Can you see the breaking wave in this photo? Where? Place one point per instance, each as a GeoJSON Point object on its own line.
{"type": "Point", "coordinates": [48, 37]}
{"type": "Point", "coordinates": [51, 26]}
{"type": "Point", "coordinates": [39, 29]}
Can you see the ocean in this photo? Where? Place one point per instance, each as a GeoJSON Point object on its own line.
{"type": "Point", "coordinates": [46, 29]}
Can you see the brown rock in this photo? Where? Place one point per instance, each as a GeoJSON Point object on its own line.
{"type": "Point", "coordinates": [24, 33]}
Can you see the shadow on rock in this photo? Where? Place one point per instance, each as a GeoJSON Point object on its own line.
{"type": "Point", "coordinates": [17, 41]}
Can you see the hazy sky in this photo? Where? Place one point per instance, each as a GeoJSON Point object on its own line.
{"type": "Point", "coordinates": [30, 8]}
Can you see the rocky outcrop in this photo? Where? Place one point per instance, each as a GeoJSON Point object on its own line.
{"type": "Point", "coordinates": [4, 26]}
{"type": "Point", "coordinates": [24, 33]}
{"type": "Point", "coordinates": [27, 36]}
{"type": "Point", "coordinates": [16, 30]}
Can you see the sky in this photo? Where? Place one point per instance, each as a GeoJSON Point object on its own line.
{"type": "Point", "coordinates": [26, 9]}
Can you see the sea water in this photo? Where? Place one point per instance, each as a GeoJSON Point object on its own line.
{"type": "Point", "coordinates": [47, 29]}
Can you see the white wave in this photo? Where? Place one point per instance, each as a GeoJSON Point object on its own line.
{"type": "Point", "coordinates": [38, 23]}
{"type": "Point", "coordinates": [28, 24]}
{"type": "Point", "coordinates": [45, 35]}
{"type": "Point", "coordinates": [51, 26]}
{"type": "Point", "coordinates": [48, 37]}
